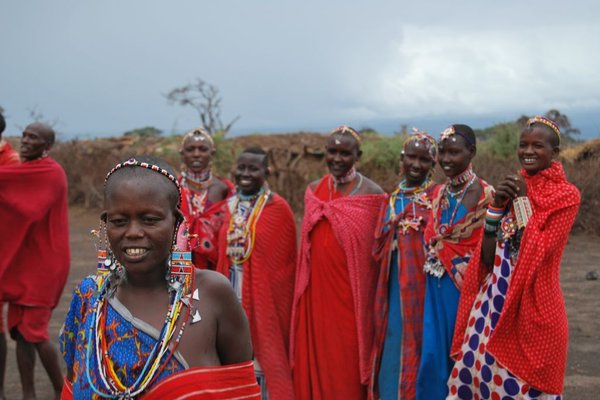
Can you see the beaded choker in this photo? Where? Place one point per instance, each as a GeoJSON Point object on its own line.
{"type": "Point", "coordinates": [349, 177]}
{"type": "Point", "coordinates": [416, 196]}
{"type": "Point", "coordinates": [203, 178]}
{"type": "Point", "coordinates": [463, 177]}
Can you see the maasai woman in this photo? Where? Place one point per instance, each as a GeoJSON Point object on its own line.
{"type": "Point", "coordinates": [203, 196]}
{"type": "Point", "coordinates": [511, 330]}
{"type": "Point", "coordinates": [332, 332]}
{"type": "Point", "coordinates": [400, 252]}
{"type": "Point", "coordinates": [257, 251]}
{"type": "Point", "coordinates": [454, 228]}
{"type": "Point", "coordinates": [148, 323]}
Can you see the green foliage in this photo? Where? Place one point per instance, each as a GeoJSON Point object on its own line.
{"type": "Point", "coordinates": [145, 132]}
{"type": "Point", "coordinates": [382, 151]}
{"type": "Point", "coordinates": [226, 154]}
{"type": "Point", "coordinates": [500, 140]}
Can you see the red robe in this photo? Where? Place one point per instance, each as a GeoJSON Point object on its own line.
{"type": "Point", "coordinates": [531, 337]}
{"type": "Point", "coordinates": [205, 227]}
{"type": "Point", "coordinates": [267, 291]}
{"type": "Point", "coordinates": [34, 233]}
{"type": "Point", "coordinates": [235, 381]}
{"type": "Point", "coordinates": [8, 156]}
{"type": "Point", "coordinates": [334, 295]}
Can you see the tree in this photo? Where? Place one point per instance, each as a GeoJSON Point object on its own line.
{"type": "Point", "coordinates": [205, 99]}
{"type": "Point", "coordinates": [146, 132]}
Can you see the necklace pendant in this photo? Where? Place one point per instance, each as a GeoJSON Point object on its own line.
{"type": "Point", "coordinates": [443, 229]}
{"type": "Point", "coordinates": [196, 317]}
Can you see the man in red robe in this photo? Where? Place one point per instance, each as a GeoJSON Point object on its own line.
{"type": "Point", "coordinates": [257, 252]}
{"type": "Point", "coordinates": [34, 243]}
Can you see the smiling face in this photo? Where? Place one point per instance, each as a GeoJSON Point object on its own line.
{"type": "Point", "coordinates": [140, 221]}
{"type": "Point", "coordinates": [250, 173]}
{"type": "Point", "coordinates": [536, 149]}
{"type": "Point", "coordinates": [36, 139]}
{"type": "Point", "coordinates": [455, 155]}
{"type": "Point", "coordinates": [416, 163]}
{"type": "Point", "coordinates": [197, 153]}
{"type": "Point", "coordinates": [341, 153]}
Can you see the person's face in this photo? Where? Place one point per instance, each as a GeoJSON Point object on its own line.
{"type": "Point", "coordinates": [197, 153]}
{"type": "Point", "coordinates": [341, 153]}
{"type": "Point", "coordinates": [455, 154]}
{"type": "Point", "coordinates": [33, 143]}
{"type": "Point", "coordinates": [140, 223]}
{"type": "Point", "coordinates": [250, 173]}
{"type": "Point", "coordinates": [416, 163]}
{"type": "Point", "coordinates": [535, 150]}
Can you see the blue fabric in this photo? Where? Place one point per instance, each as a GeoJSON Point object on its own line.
{"type": "Point", "coordinates": [441, 305]}
{"type": "Point", "coordinates": [128, 345]}
{"type": "Point", "coordinates": [389, 372]}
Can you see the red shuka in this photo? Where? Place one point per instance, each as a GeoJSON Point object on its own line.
{"type": "Point", "coordinates": [34, 233]}
{"type": "Point", "coordinates": [205, 227]}
{"type": "Point", "coordinates": [531, 337]}
{"type": "Point", "coordinates": [8, 156]}
{"type": "Point", "coordinates": [335, 263]}
{"type": "Point", "coordinates": [267, 291]}
{"type": "Point", "coordinates": [235, 381]}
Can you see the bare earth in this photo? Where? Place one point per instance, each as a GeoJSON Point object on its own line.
{"type": "Point", "coordinates": [582, 299]}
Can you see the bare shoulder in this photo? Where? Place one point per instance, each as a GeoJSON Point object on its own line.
{"type": "Point", "coordinates": [370, 187]}
{"type": "Point", "coordinates": [213, 284]}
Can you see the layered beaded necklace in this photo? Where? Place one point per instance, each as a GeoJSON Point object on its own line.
{"type": "Point", "coordinates": [415, 195]}
{"type": "Point", "coordinates": [245, 212]}
{"type": "Point", "coordinates": [467, 176]}
{"type": "Point", "coordinates": [198, 193]}
{"type": "Point", "coordinates": [181, 280]}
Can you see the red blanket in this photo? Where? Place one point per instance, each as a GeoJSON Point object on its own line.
{"type": "Point", "coordinates": [353, 220]}
{"type": "Point", "coordinates": [34, 233]}
{"type": "Point", "coordinates": [531, 337]}
{"type": "Point", "coordinates": [8, 156]}
{"type": "Point", "coordinates": [267, 290]}
{"type": "Point", "coordinates": [205, 229]}
{"type": "Point", "coordinates": [234, 381]}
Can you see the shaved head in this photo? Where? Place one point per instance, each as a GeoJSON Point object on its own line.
{"type": "Point", "coordinates": [45, 131]}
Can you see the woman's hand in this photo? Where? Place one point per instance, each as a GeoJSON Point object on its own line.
{"type": "Point", "coordinates": [509, 188]}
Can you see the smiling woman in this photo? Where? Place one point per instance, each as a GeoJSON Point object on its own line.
{"type": "Point", "coordinates": [519, 331]}
{"type": "Point", "coordinates": [333, 301]}
{"type": "Point", "coordinates": [124, 333]}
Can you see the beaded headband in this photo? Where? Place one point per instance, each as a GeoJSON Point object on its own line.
{"type": "Point", "coordinates": [198, 134]}
{"type": "Point", "coordinates": [132, 162]}
{"type": "Point", "coordinates": [451, 131]}
{"type": "Point", "coordinates": [546, 121]}
{"type": "Point", "coordinates": [421, 138]}
{"type": "Point", "coordinates": [345, 129]}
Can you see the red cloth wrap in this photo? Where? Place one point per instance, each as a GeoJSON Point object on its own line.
{"type": "Point", "coordinates": [462, 237]}
{"type": "Point", "coordinates": [235, 381]}
{"type": "Point", "coordinates": [206, 227]}
{"type": "Point", "coordinates": [34, 233]}
{"type": "Point", "coordinates": [267, 291]}
{"type": "Point", "coordinates": [8, 156]}
{"type": "Point", "coordinates": [531, 336]}
{"type": "Point", "coordinates": [353, 220]}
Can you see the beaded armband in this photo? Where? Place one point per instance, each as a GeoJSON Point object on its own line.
{"type": "Point", "coordinates": [523, 211]}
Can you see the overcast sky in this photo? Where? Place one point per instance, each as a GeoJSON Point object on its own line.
{"type": "Point", "coordinates": [102, 67]}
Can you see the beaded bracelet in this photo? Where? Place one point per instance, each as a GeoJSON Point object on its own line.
{"type": "Point", "coordinates": [493, 214]}
{"type": "Point", "coordinates": [523, 211]}
{"type": "Point", "coordinates": [490, 229]}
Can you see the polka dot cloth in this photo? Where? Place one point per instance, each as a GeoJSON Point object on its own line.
{"type": "Point", "coordinates": [476, 374]}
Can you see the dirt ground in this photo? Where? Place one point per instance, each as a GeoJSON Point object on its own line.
{"type": "Point", "coordinates": [582, 299]}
